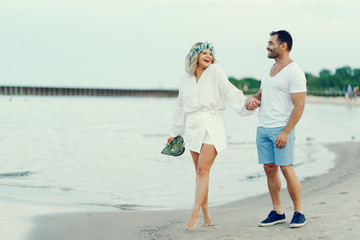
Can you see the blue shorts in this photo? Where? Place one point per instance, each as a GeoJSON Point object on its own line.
{"type": "Point", "coordinates": [268, 153]}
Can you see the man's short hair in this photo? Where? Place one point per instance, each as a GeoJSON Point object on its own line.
{"type": "Point", "coordinates": [284, 36]}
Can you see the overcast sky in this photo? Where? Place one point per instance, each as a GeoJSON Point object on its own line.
{"type": "Point", "coordinates": [143, 43]}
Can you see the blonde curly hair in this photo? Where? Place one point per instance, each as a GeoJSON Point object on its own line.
{"type": "Point", "coordinates": [191, 58]}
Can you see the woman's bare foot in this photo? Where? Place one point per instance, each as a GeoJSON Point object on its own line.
{"type": "Point", "coordinates": [192, 222]}
{"type": "Point", "coordinates": [207, 220]}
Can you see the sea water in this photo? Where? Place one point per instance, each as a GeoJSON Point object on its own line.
{"type": "Point", "coordinates": [105, 151]}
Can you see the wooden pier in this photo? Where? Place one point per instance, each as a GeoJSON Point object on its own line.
{"type": "Point", "coordinates": [62, 91]}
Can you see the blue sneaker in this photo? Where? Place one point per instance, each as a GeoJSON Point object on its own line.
{"type": "Point", "coordinates": [272, 219]}
{"type": "Point", "coordinates": [298, 220]}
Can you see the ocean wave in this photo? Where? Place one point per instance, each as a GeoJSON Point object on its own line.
{"type": "Point", "coordinates": [16, 174]}
{"type": "Point", "coordinates": [255, 176]}
{"type": "Point", "coordinates": [124, 207]}
{"type": "Point", "coordinates": [19, 185]}
{"type": "Point", "coordinates": [156, 135]}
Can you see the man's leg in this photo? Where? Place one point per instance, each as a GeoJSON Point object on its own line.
{"type": "Point", "coordinates": [274, 185]}
{"type": "Point", "coordinates": [276, 216]}
{"type": "Point", "coordinates": [265, 147]}
{"type": "Point", "coordinates": [293, 186]}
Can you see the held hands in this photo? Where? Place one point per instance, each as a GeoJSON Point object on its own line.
{"type": "Point", "coordinates": [252, 103]}
{"type": "Point", "coordinates": [281, 139]}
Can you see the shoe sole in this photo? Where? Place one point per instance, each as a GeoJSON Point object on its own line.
{"type": "Point", "coordinates": [297, 225]}
{"type": "Point", "coordinates": [272, 223]}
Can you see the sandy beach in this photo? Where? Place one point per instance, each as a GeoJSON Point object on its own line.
{"type": "Point", "coordinates": [330, 202]}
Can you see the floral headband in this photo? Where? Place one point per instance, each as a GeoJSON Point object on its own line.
{"type": "Point", "coordinates": [200, 48]}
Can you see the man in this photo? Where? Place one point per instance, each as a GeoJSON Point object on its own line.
{"type": "Point", "coordinates": [282, 94]}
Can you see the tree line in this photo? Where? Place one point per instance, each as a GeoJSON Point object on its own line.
{"type": "Point", "coordinates": [333, 84]}
{"type": "Point", "coordinates": [326, 83]}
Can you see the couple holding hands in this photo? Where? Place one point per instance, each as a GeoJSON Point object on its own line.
{"type": "Point", "coordinates": [281, 101]}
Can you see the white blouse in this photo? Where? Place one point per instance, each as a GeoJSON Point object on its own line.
{"type": "Point", "coordinates": [200, 106]}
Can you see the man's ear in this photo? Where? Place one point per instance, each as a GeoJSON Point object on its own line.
{"type": "Point", "coordinates": [284, 46]}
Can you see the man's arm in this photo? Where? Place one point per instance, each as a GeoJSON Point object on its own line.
{"type": "Point", "coordinates": [298, 100]}
{"type": "Point", "coordinates": [253, 101]}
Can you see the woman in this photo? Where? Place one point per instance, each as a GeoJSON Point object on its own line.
{"type": "Point", "coordinates": [199, 113]}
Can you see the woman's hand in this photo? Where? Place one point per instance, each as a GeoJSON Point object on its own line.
{"type": "Point", "coordinates": [170, 139]}
{"type": "Point", "coordinates": [252, 103]}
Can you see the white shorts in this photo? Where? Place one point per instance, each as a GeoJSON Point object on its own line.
{"type": "Point", "coordinates": [207, 139]}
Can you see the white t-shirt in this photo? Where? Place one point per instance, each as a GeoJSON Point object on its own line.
{"type": "Point", "coordinates": [276, 104]}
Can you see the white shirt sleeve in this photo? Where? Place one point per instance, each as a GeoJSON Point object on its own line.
{"type": "Point", "coordinates": [298, 81]}
{"type": "Point", "coordinates": [235, 96]}
{"type": "Point", "coordinates": [178, 118]}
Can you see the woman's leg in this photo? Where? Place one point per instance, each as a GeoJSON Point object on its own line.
{"type": "Point", "coordinates": [203, 164]}
{"type": "Point", "coordinates": [204, 205]}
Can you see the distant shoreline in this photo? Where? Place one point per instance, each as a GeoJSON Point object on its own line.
{"type": "Point", "coordinates": [113, 92]}
{"type": "Point", "coordinates": [332, 100]}
{"type": "Point", "coordinates": [68, 91]}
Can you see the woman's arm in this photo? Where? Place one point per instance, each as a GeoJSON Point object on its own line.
{"type": "Point", "coordinates": [178, 118]}
{"type": "Point", "coordinates": [235, 96]}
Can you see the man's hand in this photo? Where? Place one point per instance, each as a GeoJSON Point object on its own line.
{"type": "Point", "coordinates": [282, 139]}
{"type": "Point", "coordinates": [298, 100]}
{"type": "Point", "coordinates": [252, 103]}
